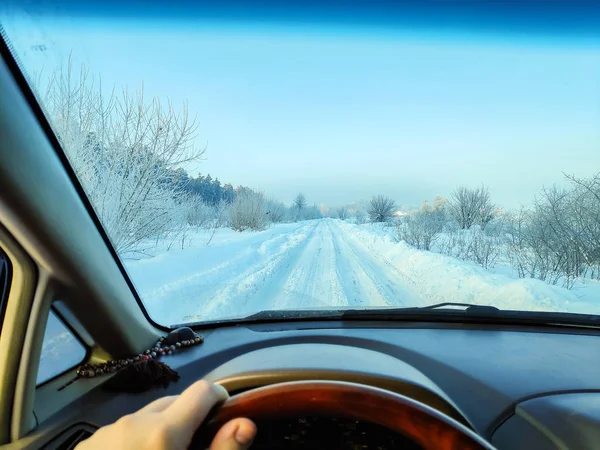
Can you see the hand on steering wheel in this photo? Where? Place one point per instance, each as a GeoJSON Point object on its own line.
{"type": "Point", "coordinates": [170, 422]}
{"type": "Point", "coordinates": [423, 425]}
{"type": "Point", "coordinates": [176, 422]}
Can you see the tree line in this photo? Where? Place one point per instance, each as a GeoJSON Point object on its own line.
{"type": "Point", "coordinates": [128, 152]}
{"type": "Point", "coordinates": [556, 239]}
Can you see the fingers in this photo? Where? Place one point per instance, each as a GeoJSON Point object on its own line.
{"type": "Point", "coordinates": [236, 434]}
{"type": "Point", "coordinates": [158, 405]}
{"type": "Point", "coordinates": [190, 408]}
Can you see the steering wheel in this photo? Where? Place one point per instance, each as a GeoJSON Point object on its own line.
{"type": "Point", "coordinates": [422, 424]}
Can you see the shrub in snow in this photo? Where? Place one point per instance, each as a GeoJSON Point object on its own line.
{"type": "Point", "coordinates": [558, 241]}
{"type": "Point", "coordinates": [419, 230]}
{"type": "Point", "coordinates": [528, 250]}
{"type": "Point", "coordinates": [198, 213]}
{"type": "Point", "coordinates": [484, 249]}
{"type": "Point", "coordinates": [381, 209]}
{"type": "Point", "coordinates": [248, 211]}
{"type": "Point", "coordinates": [357, 212]}
{"type": "Point", "coordinates": [342, 212]}
{"type": "Point", "coordinates": [422, 229]}
{"type": "Point", "coordinates": [472, 245]}
{"type": "Point", "coordinates": [471, 206]}
{"type": "Point", "coordinates": [220, 215]}
{"type": "Point", "coordinates": [360, 217]}
{"type": "Point", "coordinates": [276, 211]}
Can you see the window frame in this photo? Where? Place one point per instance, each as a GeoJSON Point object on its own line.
{"type": "Point", "coordinates": [86, 348]}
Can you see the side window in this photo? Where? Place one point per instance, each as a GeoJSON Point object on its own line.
{"type": "Point", "coordinates": [61, 350]}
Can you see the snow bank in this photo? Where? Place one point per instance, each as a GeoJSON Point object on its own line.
{"type": "Point", "coordinates": [441, 278]}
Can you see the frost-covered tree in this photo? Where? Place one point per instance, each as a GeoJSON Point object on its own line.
{"type": "Point", "coordinates": [585, 208]}
{"type": "Point", "coordinates": [312, 212]}
{"type": "Point", "coordinates": [470, 206]}
{"type": "Point", "coordinates": [357, 211]}
{"type": "Point", "coordinates": [227, 194]}
{"type": "Point", "coordinates": [342, 212]}
{"type": "Point", "coordinates": [199, 213]}
{"type": "Point", "coordinates": [422, 229]}
{"type": "Point", "coordinates": [124, 149]}
{"type": "Point", "coordinates": [298, 209]}
{"type": "Point", "coordinates": [275, 211]}
{"type": "Point", "coordinates": [300, 202]}
{"type": "Point", "coordinates": [558, 240]}
{"type": "Point", "coordinates": [418, 230]}
{"type": "Point", "coordinates": [381, 209]}
{"type": "Point", "coordinates": [248, 211]}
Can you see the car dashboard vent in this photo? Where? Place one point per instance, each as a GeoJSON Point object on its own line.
{"type": "Point", "coordinates": [69, 439]}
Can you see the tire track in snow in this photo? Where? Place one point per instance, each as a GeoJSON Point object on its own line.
{"type": "Point", "coordinates": [198, 294]}
{"type": "Point", "coordinates": [412, 288]}
{"type": "Point", "coordinates": [359, 288]}
{"type": "Point", "coordinates": [312, 281]}
{"type": "Point", "coordinates": [209, 279]}
{"type": "Point", "coordinates": [253, 290]}
{"type": "Point", "coordinates": [369, 281]}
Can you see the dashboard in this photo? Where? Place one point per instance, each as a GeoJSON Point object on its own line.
{"type": "Point", "coordinates": [517, 387]}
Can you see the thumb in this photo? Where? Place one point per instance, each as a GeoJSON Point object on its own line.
{"type": "Point", "coordinates": [237, 434]}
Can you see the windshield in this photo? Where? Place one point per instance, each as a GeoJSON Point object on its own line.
{"type": "Point", "coordinates": [298, 156]}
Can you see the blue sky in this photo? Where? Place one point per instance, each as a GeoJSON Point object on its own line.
{"type": "Point", "coordinates": [342, 115]}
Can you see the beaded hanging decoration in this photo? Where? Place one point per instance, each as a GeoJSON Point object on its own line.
{"type": "Point", "coordinates": [143, 371]}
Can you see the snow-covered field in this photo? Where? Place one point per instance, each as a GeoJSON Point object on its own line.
{"type": "Point", "coordinates": [326, 263]}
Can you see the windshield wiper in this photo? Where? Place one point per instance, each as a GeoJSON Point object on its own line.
{"type": "Point", "coordinates": [453, 312]}
{"type": "Point", "coordinates": [453, 306]}
{"type": "Point", "coordinates": [468, 312]}
{"type": "Point", "coordinates": [445, 308]}
{"type": "Point", "coordinates": [393, 312]}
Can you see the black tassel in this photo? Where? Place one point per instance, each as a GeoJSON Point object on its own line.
{"type": "Point", "coordinates": [142, 376]}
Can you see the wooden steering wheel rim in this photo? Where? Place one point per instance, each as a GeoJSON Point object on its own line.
{"type": "Point", "coordinates": [426, 426]}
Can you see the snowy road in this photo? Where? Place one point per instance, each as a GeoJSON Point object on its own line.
{"type": "Point", "coordinates": [316, 264]}
{"type": "Point", "coordinates": [307, 265]}
{"type": "Point", "coordinates": [329, 269]}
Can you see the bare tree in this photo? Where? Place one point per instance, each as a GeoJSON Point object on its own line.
{"type": "Point", "coordinates": [566, 223]}
{"type": "Point", "coordinates": [586, 217]}
{"type": "Point", "coordinates": [342, 212]}
{"type": "Point", "coordinates": [381, 209]}
{"type": "Point", "coordinates": [122, 147]}
{"type": "Point", "coordinates": [300, 202]}
{"type": "Point", "coordinates": [531, 250]}
{"type": "Point", "coordinates": [469, 206]}
{"type": "Point", "coordinates": [558, 241]}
